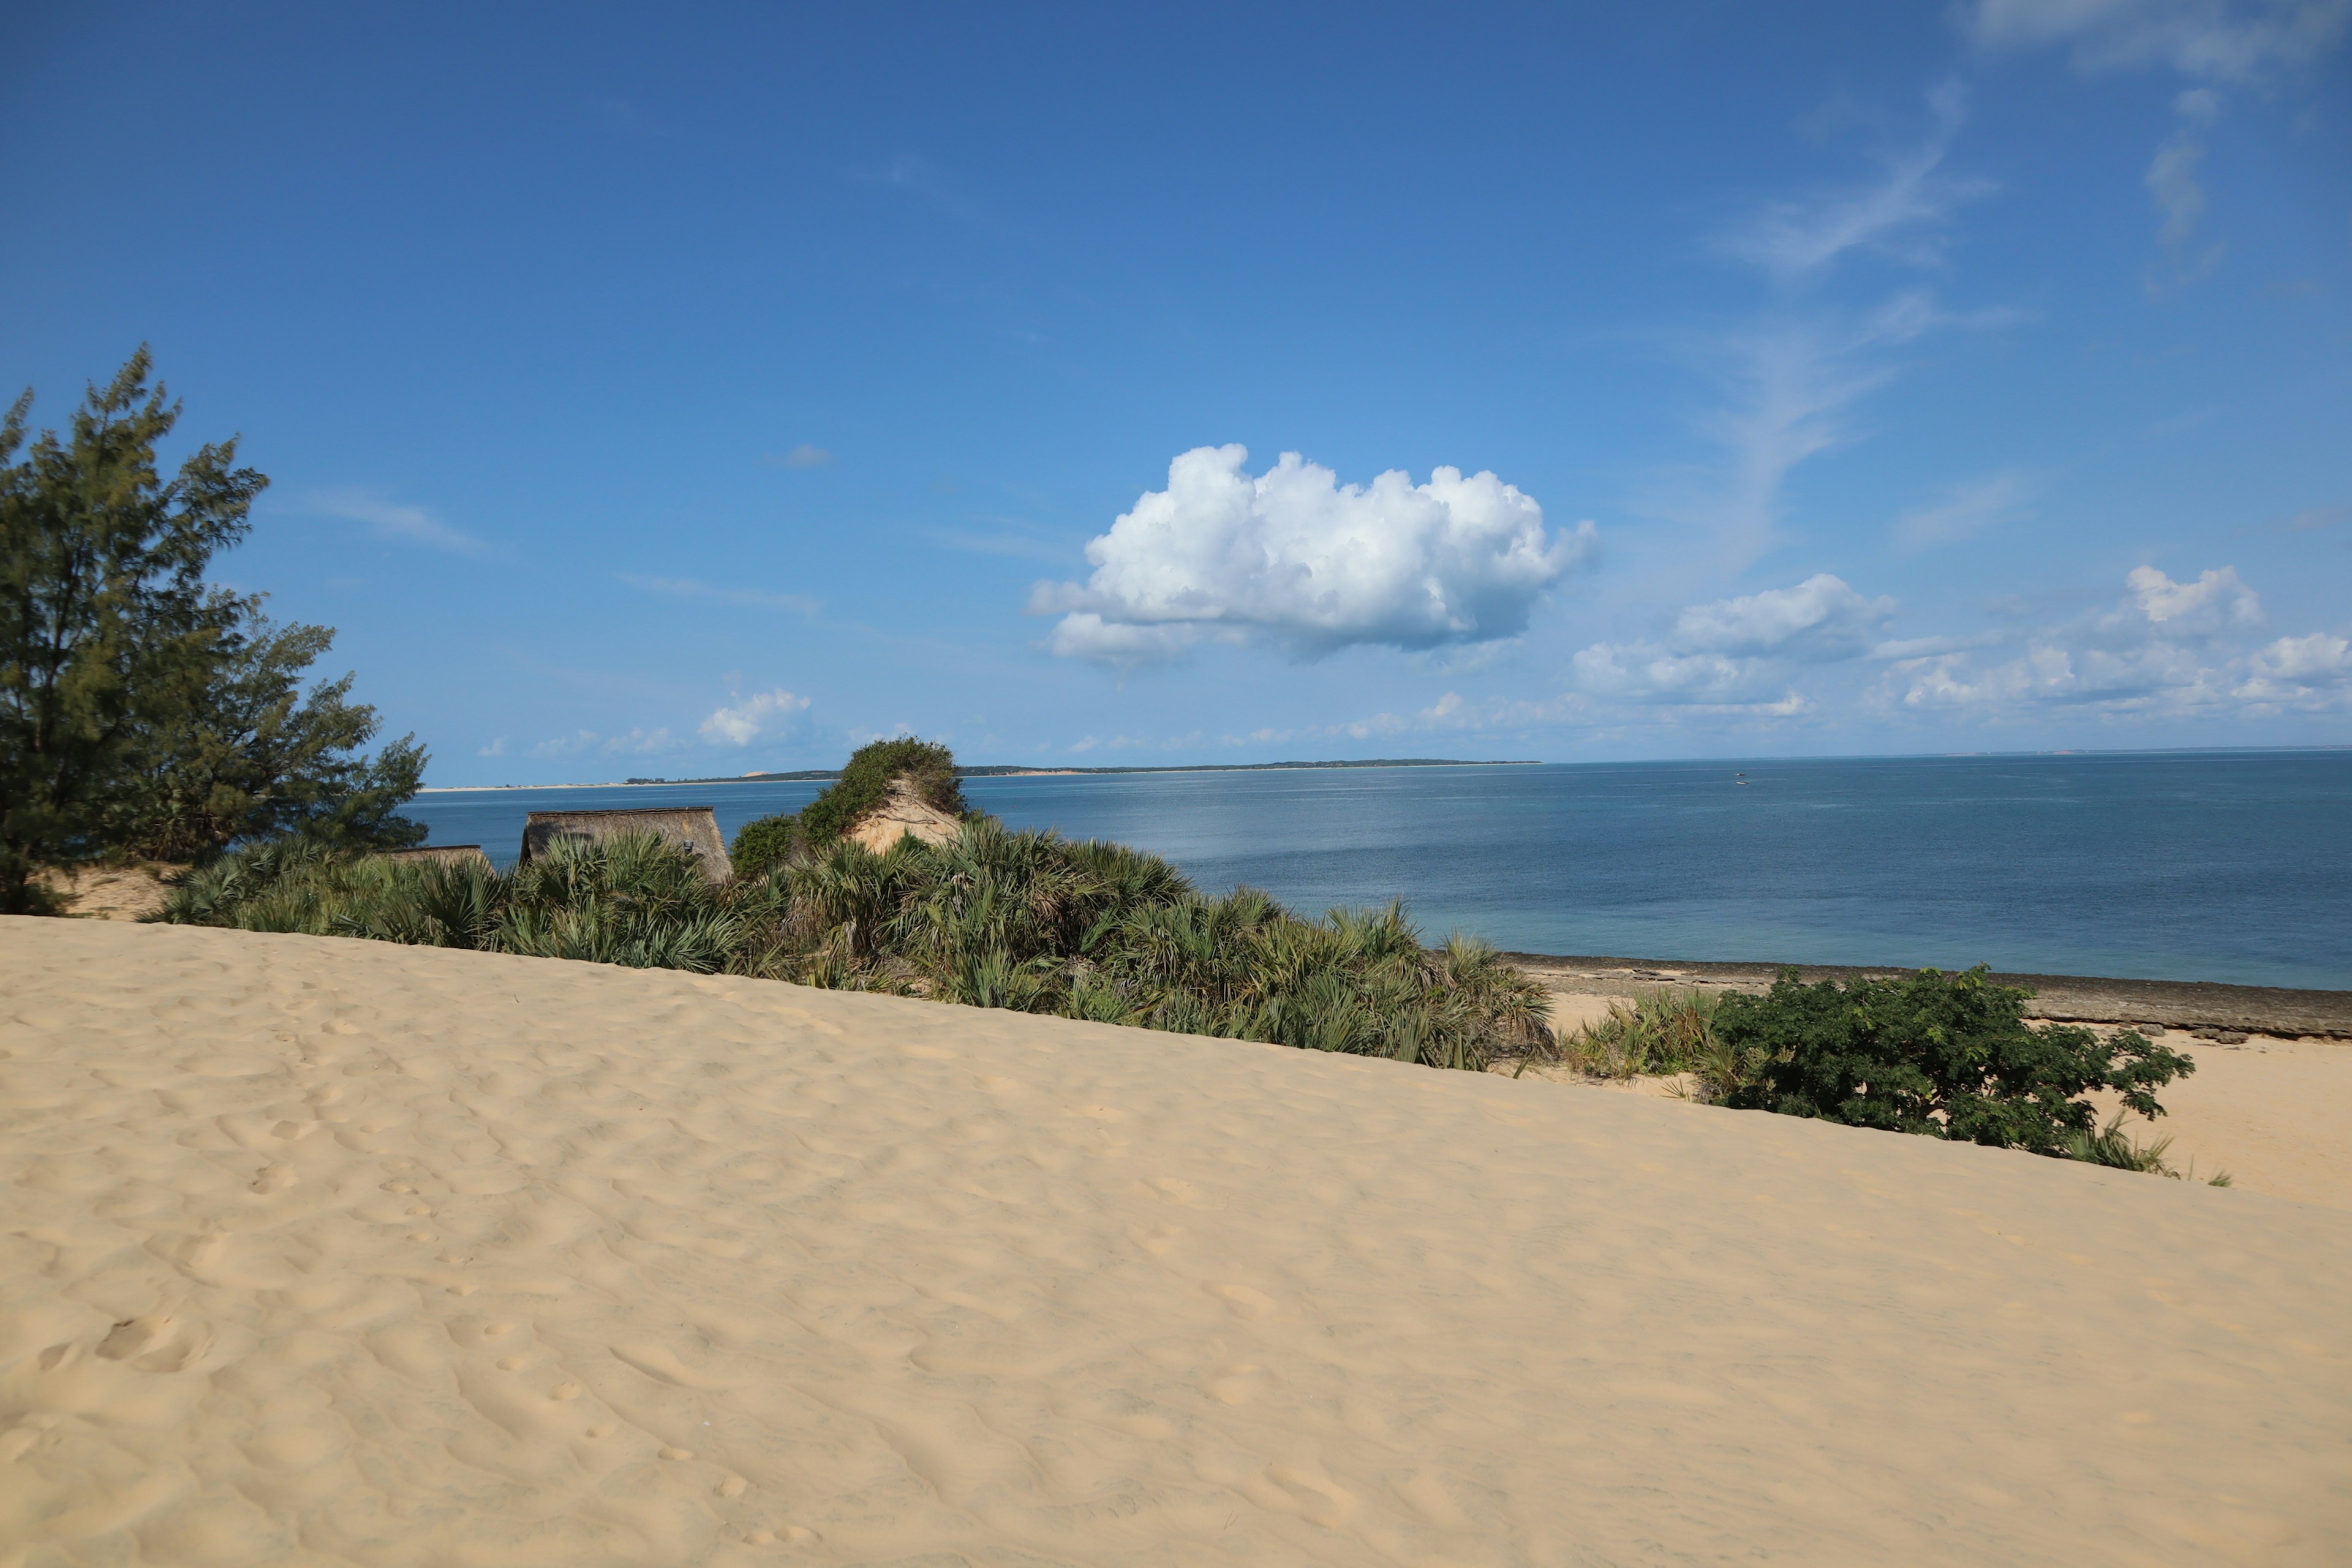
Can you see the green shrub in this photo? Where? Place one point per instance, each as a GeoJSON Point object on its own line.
{"type": "Point", "coordinates": [1949, 1056]}
{"type": "Point", "coordinates": [1662, 1032]}
{"type": "Point", "coordinates": [764, 845]}
{"type": "Point", "coordinates": [1023, 921]}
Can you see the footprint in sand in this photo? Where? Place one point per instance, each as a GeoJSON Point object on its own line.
{"type": "Point", "coordinates": [1244, 1301]}
{"type": "Point", "coordinates": [1316, 1495]}
{"type": "Point", "coordinates": [272, 1179]}
{"type": "Point", "coordinates": [157, 1343]}
{"type": "Point", "coordinates": [1235, 1384]}
{"type": "Point", "coordinates": [1175, 1189]}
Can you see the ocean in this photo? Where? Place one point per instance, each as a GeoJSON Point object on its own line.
{"type": "Point", "coordinates": [2224, 866]}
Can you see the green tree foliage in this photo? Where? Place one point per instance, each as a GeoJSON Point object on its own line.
{"type": "Point", "coordinates": [764, 845]}
{"type": "Point", "coordinates": [1946, 1054]}
{"type": "Point", "coordinates": [872, 773]}
{"type": "Point", "coordinates": [242, 751]}
{"type": "Point", "coordinates": [141, 709]}
{"type": "Point", "coordinates": [1023, 921]}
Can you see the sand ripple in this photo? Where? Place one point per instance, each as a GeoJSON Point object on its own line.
{"type": "Point", "coordinates": [320, 1252]}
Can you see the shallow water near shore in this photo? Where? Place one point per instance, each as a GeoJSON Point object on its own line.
{"type": "Point", "coordinates": [2224, 865]}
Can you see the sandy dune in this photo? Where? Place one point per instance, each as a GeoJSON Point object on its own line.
{"type": "Point", "coordinates": [322, 1252]}
{"type": "Point", "coordinates": [2276, 1114]}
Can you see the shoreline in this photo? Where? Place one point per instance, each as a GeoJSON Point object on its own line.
{"type": "Point", "coordinates": [998, 770]}
{"type": "Point", "coordinates": [2284, 1010]}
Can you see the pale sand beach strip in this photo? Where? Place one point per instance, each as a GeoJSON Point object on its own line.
{"type": "Point", "coordinates": [337, 1252]}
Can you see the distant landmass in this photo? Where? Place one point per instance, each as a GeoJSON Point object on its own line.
{"type": "Point", "coordinates": [1021, 769]}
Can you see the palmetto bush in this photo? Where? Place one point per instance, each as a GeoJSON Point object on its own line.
{"type": "Point", "coordinates": [1023, 921]}
{"type": "Point", "coordinates": [1659, 1033]}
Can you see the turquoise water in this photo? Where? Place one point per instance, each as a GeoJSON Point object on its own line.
{"type": "Point", "coordinates": [2202, 865]}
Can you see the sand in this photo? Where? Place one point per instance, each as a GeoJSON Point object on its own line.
{"type": "Point", "coordinates": [113, 892]}
{"type": "Point", "coordinates": [324, 1252]}
{"type": "Point", "coordinates": [2276, 1114]}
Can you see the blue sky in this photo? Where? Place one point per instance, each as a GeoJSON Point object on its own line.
{"type": "Point", "coordinates": [710, 390]}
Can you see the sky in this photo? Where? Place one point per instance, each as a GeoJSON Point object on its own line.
{"type": "Point", "coordinates": [694, 391]}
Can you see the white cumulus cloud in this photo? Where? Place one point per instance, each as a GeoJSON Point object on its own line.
{"type": "Point", "coordinates": [2215, 600]}
{"type": "Point", "coordinates": [761, 713]}
{"type": "Point", "coordinates": [1294, 556]}
{"type": "Point", "coordinates": [1741, 651]}
{"type": "Point", "coordinates": [2167, 648]}
{"type": "Point", "coordinates": [1818, 620]}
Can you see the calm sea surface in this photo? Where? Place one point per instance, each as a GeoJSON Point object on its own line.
{"type": "Point", "coordinates": [2206, 866]}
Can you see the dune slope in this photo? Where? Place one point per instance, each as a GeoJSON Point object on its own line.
{"type": "Point", "coordinates": [329, 1252]}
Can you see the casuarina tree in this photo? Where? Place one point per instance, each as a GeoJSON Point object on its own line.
{"type": "Point", "coordinates": [143, 709]}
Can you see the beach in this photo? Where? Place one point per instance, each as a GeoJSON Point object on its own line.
{"type": "Point", "coordinates": [329, 1252]}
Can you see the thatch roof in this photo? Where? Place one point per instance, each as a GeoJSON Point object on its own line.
{"type": "Point", "coordinates": [903, 814]}
{"type": "Point", "coordinates": [690, 827]}
{"type": "Point", "coordinates": [455, 854]}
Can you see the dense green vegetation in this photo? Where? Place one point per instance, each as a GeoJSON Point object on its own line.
{"type": "Point", "coordinates": [1949, 1056]}
{"type": "Point", "coordinates": [873, 771]}
{"type": "Point", "coordinates": [144, 711]}
{"type": "Point", "coordinates": [1022, 921]}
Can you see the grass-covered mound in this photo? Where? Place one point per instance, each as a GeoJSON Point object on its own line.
{"type": "Point", "coordinates": [1023, 920]}
{"type": "Point", "coordinates": [873, 771]}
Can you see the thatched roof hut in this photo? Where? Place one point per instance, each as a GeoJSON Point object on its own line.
{"type": "Point", "coordinates": [694, 828]}
{"type": "Point", "coordinates": [903, 814]}
{"type": "Point", "coordinates": [453, 854]}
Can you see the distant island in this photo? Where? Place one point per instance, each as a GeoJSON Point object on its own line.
{"type": "Point", "coordinates": [1023, 770]}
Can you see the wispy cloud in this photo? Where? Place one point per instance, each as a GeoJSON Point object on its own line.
{"type": "Point", "coordinates": [2226, 43]}
{"type": "Point", "coordinates": [694, 588]}
{"type": "Point", "coordinates": [804, 455]}
{"type": "Point", "coordinates": [1792, 378]}
{"type": "Point", "coordinates": [636, 742]}
{"type": "Point", "coordinates": [1900, 213]}
{"type": "Point", "coordinates": [1791, 387]}
{"type": "Point", "coordinates": [389, 519]}
{"type": "Point", "coordinates": [2179, 195]}
{"type": "Point", "coordinates": [927, 183]}
{"type": "Point", "coordinates": [2236, 41]}
{"type": "Point", "coordinates": [1965, 511]}
{"type": "Point", "coordinates": [1023, 546]}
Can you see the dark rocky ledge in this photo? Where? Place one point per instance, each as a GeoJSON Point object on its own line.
{"type": "Point", "coordinates": [2072, 998]}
